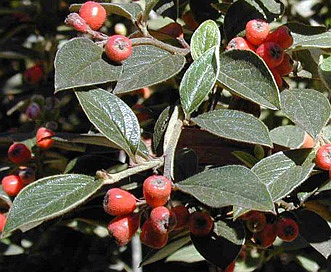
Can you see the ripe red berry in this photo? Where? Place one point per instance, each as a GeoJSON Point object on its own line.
{"type": "Point", "coordinates": [257, 31]}
{"type": "Point", "coordinates": [77, 22]}
{"type": "Point", "coordinates": [239, 43]}
{"type": "Point", "coordinates": [182, 216]}
{"type": "Point", "coordinates": [44, 137]}
{"type": "Point", "coordinates": [282, 36]}
{"type": "Point", "coordinates": [266, 237]}
{"type": "Point", "coordinates": [27, 175]}
{"type": "Point", "coordinates": [119, 202]}
{"type": "Point", "coordinates": [278, 78]}
{"type": "Point", "coordinates": [12, 185]}
{"type": "Point", "coordinates": [3, 220]}
{"type": "Point", "coordinates": [34, 74]}
{"type": "Point", "coordinates": [118, 48]}
{"type": "Point", "coordinates": [256, 221]}
{"type": "Point", "coordinates": [286, 66]}
{"type": "Point", "coordinates": [123, 227]}
{"type": "Point", "coordinates": [287, 229]}
{"type": "Point", "coordinates": [19, 153]}
{"type": "Point", "coordinates": [323, 157]}
{"type": "Point", "coordinates": [151, 238]}
{"type": "Point", "coordinates": [200, 223]}
{"type": "Point", "coordinates": [271, 53]}
{"type": "Point", "coordinates": [162, 219]}
{"type": "Point", "coordinates": [156, 190]}
{"type": "Point", "coordinates": [93, 13]}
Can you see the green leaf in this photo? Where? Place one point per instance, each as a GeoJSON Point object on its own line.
{"type": "Point", "coordinates": [79, 63]}
{"type": "Point", "coordinates": [246, 74]}
{"type": "Point", "coordinates": [187, 254]}
{"type": "Point", "coordinates": [148, 65]}
{"type": "Point", "coordinates": [112, 117]}
{"type": "Point", "coordinates": [235, 125]}
{"type": "Point", "coordinates": [302, 41]}
{"type": "Point", "coordinates": [281, 174]}
{"type": "Point", "coordinates": [289, 136]}
{"type": "Point", "coordinates": [149, 5]}
{"type": "Point", "coordinates": [199, 79]}
{"type": "Point", "coordinates": [228, 185]}
{"type": "Point", "coordinates": [48, 198]}
{"type": "Point", "coordinates": [324, 70]}
{"type": "Point", "coordinates": [248, 159]}
{"type": "Point", "coordinates": [205, 37]}
{"type": "Point", "coordinates": [307, 108]}
{"type": "Point", "coordinates": [226, 240]}
{"type": "Point", "coordinates": [160, 127]}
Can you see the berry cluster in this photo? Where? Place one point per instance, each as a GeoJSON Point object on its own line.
{"type": "Point", "coordinates": [264, 232]}
{"type": "Point", "coordinates": [323, 157]}
{"type": "Point", "coordinates": [268, 45]}
{"type": "Point", "coordinates": [89, 19]}
{"type": "Point", "coordinates": [159, 219]}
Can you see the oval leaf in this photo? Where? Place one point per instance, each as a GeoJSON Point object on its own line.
{"type": "Point", "coordinates": [112, 117]}
{"type": "Point", "coordinates": [321, 40]}
{"type": "Point", "coordinates": [288, 136]}
{"type": "Point", "coordinates": [235, 125]}
{"type": "Point", "coordinates": [246, 74]}
{"type": "Point", "coordinates": [48, 198]}
{"type": "Point", "coordinates": [187, 254]}
{"type": "Point", "coordinates": [79, 63]}
{"type": "Point", "coordinates": [148, 65]}
{"type": "Point", "coordinates": [204, 38]}
{"type": "Point", "coordinates": [228, 185]}
{"type": "Point", "coordinates": [307, 108]}
{"type": "Point", "coordinates": [199, 80]}
{"type": "Point", "coordinates": [324, 70]}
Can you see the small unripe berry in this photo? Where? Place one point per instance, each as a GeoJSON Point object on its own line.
{"type": "Point", "coordinates": [257, 31]}
{"type": "Point", "coordinates": [34, 74]}
{"type": "Point", "coordinates": [240, 44]}
{"type": "Point", "coordinates": [19, 153]}
{"type": "Point", "coordinates": [12, 185]}
{"type": "Point", "coordinates": [156, 190]}
{"type": "Point", "coordinates": [256, 222]}
{"type": "Point", "coordinates": [151, 238]}
{"type": "Point", "coordinates": [123, 227]}
{"type": "Point", "coordinates": [44, 137]}
{"type": "Point", "coordinates": [162, 219]}
{"type": "Point", "coordinates": [323, 157]}
{"type": "Point", "coordinates": [200, 223]}
{"type": "Point", "coordinates": [282, 36]}
{"type": "Point", "coordinates": [266, 237]}
{"type": "Point", "coordinates": [33, 111]}
{"type": "Point", "coordinates": [271, 53]}
{"type": "Point", "coordinates": [182, 215]}
{"type": "Point", "coordinates": [119, 202]}
{"type": "Point", "coordinates": [120, 29]}
{"type": "Point", "coordinates": [118, 48]}
{"type": "Point", "coordinates": [3, 220]}
{"type": "Point", "coordinates": [286, 65]}
{"type": "Point", "coordinates": [287, 229]}
{"type": "Point", "coordinates": [77, 22]}
{"type": "Point", "coordinates": [93, 13]}
{"type": "Point", "coordinates": [27, 175]}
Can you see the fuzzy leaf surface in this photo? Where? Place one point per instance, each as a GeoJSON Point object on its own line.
{"type": "Point", "coordinates": [289, 136]}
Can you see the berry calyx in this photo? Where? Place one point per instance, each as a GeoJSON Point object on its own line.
{"type": "Point", "coordinates": [27, 175]}
{"type": "Point", "coordinates": [118, 48]}
{"type": "Point", "coordinates": [123, 227]}
{"type": "Point", "coordinates": [257, 31]}
{"type": "Point", "coordinates": [271, 53]}
{"type": "Point", "coordinates": [287, 229]}
{"type": "Point", "coordinates": [19, 153]}
{"type": "Point", "coordinates": [266, 237]}
{"type": "Point", "coordinates": [282, 36]}
{"type": "Point", "coordinates": [240, 44]}
{"type": "Point", "coordinates": [93, 13]}
{"type": "Point", "coordinates": [44, 137]}
{"type": "Point", "coordinates": [156, 190]}
{"type": "Point", "coordinates": [119, 202]}
{"type": "Point", "coordinates": [12, 185]}
{"type": "Point", "coordinates": [256, 222]}
{"type": "Point", "coordinates": [162, 219]}
{"type": "Point", "coordinates": [3, 220]}
{"type": "Point", "coordinates": [286, 66]}
{"type": "Point", "coordinates": [323, 157]}
{"type": "Point", "coordinates": [182, 215]}
{"type": "Point", "coordinates": [200, 223]}
{"type": "Point", "coordinates": [151, 238]}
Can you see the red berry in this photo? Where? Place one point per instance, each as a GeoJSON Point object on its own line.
{"type": "Point", "coordinates": [271, 53]}
{"type": "Point", "coordinates": [323, 157]}
{"type": "Point", "coordinates": [282, 36]}
{"type": "Point", "coordinates": [118, 48]}
{"type": "Point", "coordinates": [151, 238]}
{"type": "Point", "coordinates": [182, 216]}
{"type": "Point", "coordinates": [278, 78]}
{"type": "Point", "coordinates": [77, 22]}
{"type": "Point", "coordinates": [33, 111]}
{"type": "Point", "coordinates": [34, 74]}
{"type": "Point", "coordinates": [93, 13]}
{"type": "Point", "coordinates": [19, 153]}
{"type": "Point", "coordinates": [119, 202]}
{"type": "Point", "coordinates": [3, 220]}
{"type": "Point", "coordinates": [12, 185]}
{"type": "Point", "coordinates": [162, 219]}
{"type": "Point", "coordinates": [231, 267]}
{"type": "Point", "coordinates": [286, 66]}
{"type": "Point", "coordinates": [123, 227]}
{"type": "Point", "coordinates": [287, 229]}
{"type": "Point", "coordinates": [256, 221]}
{"type": "Point", "coordinates": [200, 223]}
{"type": "Point", "coordinates": [44, 137]}
{"type": "Point", "coordinates": [239, 43]}
{"type": "Point", "coordinates": [308, 141]}
{"type": "Point", "coordinates": [27, 175]}
{"type": "Point", "coordinates": [266, 237]}
{"type": "Point", "coordinates": [156, 190]}
{"type": "Point", "coordinates": [257, 31]}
